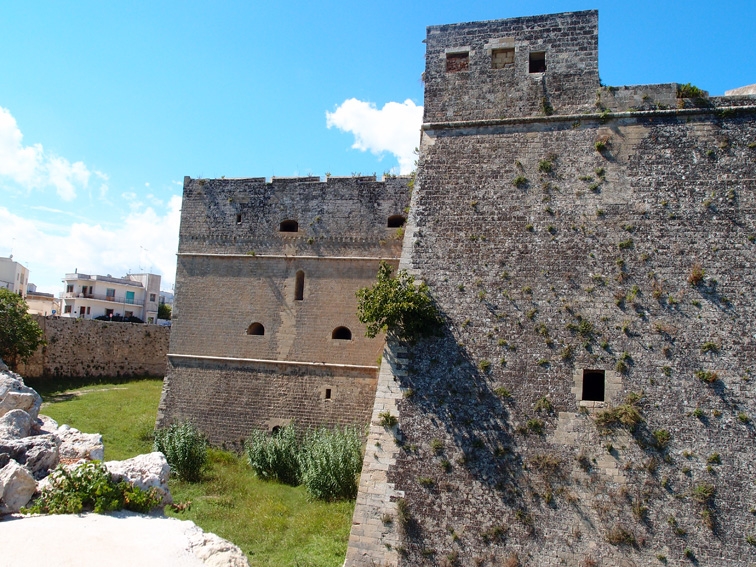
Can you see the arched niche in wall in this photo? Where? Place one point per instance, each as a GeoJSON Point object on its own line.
{"type": "Point", "coordinates": [256, 329]}
{"type": "Point", "coordinates": [396, 221]}
{"type": "Point", "coordinates": [288, 226]}
{"type": "Point", "coordinates": [341, 334]}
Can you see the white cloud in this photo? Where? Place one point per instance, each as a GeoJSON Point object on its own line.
{"type": "Point", "coordinates": [33, 168]}
{"type": "Point", "coordinates": [143, 241]}
{"type": "Point", "coordinates": [395, 128]}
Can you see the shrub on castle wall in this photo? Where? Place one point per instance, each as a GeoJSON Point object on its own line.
{"type": "Point", "coordinates": [398, 306]}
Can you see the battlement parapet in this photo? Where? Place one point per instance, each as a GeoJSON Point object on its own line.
{"type": "Point", "coordinates": [341, 216]}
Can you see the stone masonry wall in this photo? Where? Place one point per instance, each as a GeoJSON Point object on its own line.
{"type": "Point", "coordinates": [616, 237]}
{"type": "Point", "coordinates": [78, 348]}
{"type": "Point", "coordinates": [589, 261]}
{"type": "Point", "coordinates": [257, 302]}
{"type": "Point", "coordinates": [483, 91]}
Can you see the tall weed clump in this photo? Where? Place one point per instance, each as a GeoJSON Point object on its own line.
{"type": "Point", "coordinates": [185, 449]}
{"type": "Point", "coordinates": [325, 461]}
{"type": "Point", "coordinates": [330, 461]}
{"type": "Point", "coordinates": [275, 457]}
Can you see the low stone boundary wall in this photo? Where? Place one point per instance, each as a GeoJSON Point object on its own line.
{"type": "Point", "coordinates": [85, 347]}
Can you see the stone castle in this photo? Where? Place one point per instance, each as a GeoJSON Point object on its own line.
{"type": "Point", "coordinates": [591, 249]}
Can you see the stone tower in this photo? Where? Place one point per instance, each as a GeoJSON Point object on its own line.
{"type": "Point", "coordinates": [592, 251]}
{"type": "Point", "coordinates": [265, 329]}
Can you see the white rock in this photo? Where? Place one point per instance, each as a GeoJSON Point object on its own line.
{"type": "Point", "coordinates": [15, 424]}
{"type": "Point", "coordinates": [14, 394]}
{"type": "Point", "coordinates": [16, 487]}
{"type": "Point", "coordinates": [214, 551]}
{"type": "Point", "coordinates": [44, 425]}
{"type": "Point", "coordinates": [39, 454]}
{"type": "Point", "coordinates": [77, 445]}
{"type": "Point", "coordinates": [145, 471]}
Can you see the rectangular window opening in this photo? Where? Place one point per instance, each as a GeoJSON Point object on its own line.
{"type": "Point", "coordinates": [238, 219]}
{"type": "Point", "coordinates": [537, 62]}
{"type": "Point", "coordinates": [501, 58]}
{"type": "Point", "coordinates": [594, 385]}
{"type": "Point", "coordinates": [67, 309]}
{"type": "Point", "coordinates": [328, 394]}
{"type": "Point", "coordinates": [456, 62]}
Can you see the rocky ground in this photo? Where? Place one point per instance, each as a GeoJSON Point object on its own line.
{"type": "Point", "coordinates": [33, 445]}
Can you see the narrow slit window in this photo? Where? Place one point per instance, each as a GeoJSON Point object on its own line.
{"type": "Point", "coordinates": [594, 382]}
{"type": "Point", "coordinates": [502, 58]}
{"type": "Point", "coordinates": [396, 221]}
{"type": "Point", "coordinates": [289, 226]}
{"type": "Point", "coordinates": [299, 286]}
{"type": "Point", "coordinates": [238, 218]}
{"type": "Point", "coordinates": [256, 329]}
{"type": "Point", "coordinates": [341, 334]}
{"type": "Point", "coordinates": [456, 62]}
{"type": "Point", "coordinates": [537, 62]}
{"type": "Point", "coordinates": [328, 394]}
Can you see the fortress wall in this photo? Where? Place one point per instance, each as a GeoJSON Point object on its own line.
{"type": "Point", "coordinates": [79, 347]}
{"type": "Point", "coordinates": [343, 216]}
{"type": "Point", "coordinates": [226, 294]}
{"type": "Point", "coordinates": [229, 399]}
{"type": "Point", "coordinates": [236, 267]}
{"type": "Point", "coordinates": [607, 239]}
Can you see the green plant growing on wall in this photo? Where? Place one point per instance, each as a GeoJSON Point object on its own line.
{"type": "Point", "coordinates": [398, 306]}
{"type": "Point", "coordinates": [690, 91]}
{"type": "Point", "coordinates": [707, 376]}
{"type": "Point", "coordinates": [625, 415]}
{"type": "Point", "coordinates": [520, 181]}
{"type": "Point", "coordinates": [545, 166]}
{"type": "Point", "coordinates": [696, 276]}
{"type": "Point", "coordinates": [386, 419]}
{"type": "Point", "coordinates": [543, 404]}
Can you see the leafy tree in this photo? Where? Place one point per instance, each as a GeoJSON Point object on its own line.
{"type": "Point", "coordinates": [164, 311]}
{"type": "Point", "coordinates": [398, 306]}
{"type": "Point", "coordinates": [20, 335]}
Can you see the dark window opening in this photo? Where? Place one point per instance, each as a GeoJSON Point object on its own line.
{"type": "Point", "coordinates": [275, 430]}
{"type": "Point", "coordinates": [66, 308]}
{"type": "Point", "coordinates": [108, 313]}
{"type": "Point", "coordinates": [255, 329]}
{"type": "Point", "coordinates": [289, 226]}
{"type": "Point", "coordinates": [328, 394]}
{"type": "Point", "coordinates": [537, 62]}
{"type": "Point", "coordinates": [238, 218]}
{"type": "Point", "coordinates": [82, 311]}
{"type": "Point", "coordinates": [396, 221]}
{"type": "Point", "coordinates": [501, 58]}
{"type": "Point", "coordinates": [456, 62]}
{"type": "Point", "coordinates": [299, 286]}
{"type": "Point", "coordinates": [341, 334]}
{"type": "Point", "coordinates": [593, 385]}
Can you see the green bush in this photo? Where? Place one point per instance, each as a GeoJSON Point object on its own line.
{"type": "Point", "coordinates": [330, 461]}
{"type": "Point", "coordinates": [275, 457]}
{"type": "Point", "coordinates": [89, 487]}
{"type": "Point", "coordinates": [398, 306]}
{"type": "Point", "coordinates": [184, 448]}
{"type": "Point", "coordinates": [325, 461]}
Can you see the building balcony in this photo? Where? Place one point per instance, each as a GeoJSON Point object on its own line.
{"type": "Point", "coordinates": [100, 297]}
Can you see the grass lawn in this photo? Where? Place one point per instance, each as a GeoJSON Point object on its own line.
{"type": "Point", "coordinates": [274, 524]}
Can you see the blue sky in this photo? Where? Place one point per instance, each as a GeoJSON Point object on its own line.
{"type": "Point", "coordinates": [105, 107]}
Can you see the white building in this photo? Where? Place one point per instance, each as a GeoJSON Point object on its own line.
{"type": "Point", "coordinates": [13, 276]}
{"type": "Point", "coordinates": [88, 297]}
